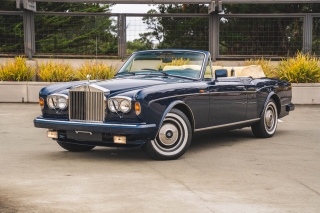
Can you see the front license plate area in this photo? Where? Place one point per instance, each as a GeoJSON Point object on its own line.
{"type": "Point", "coordinates": [120, 139]}
{"type": "Point", "coordinates": [84, 136]}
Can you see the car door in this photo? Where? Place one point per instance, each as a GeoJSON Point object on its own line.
{"type": "Point", "coordinates": [228, 101]}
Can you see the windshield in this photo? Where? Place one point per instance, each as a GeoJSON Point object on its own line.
{"type": "Point", "coordinates": [179, 63]}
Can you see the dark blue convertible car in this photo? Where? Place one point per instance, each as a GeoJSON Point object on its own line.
{"type": "Point", "coordinates": [158, 99]}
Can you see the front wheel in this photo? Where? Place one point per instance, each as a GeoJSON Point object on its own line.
{"type": "Point", "coordinates": [173, 139]}
{"type": "Point", "coordinates": [75, 147]}
{"type": "Point", "coordinates": [267, 125]}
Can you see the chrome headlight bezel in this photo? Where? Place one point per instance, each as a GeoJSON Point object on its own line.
{"type": "Point", "coordinates": [113, 105]}
{"type": "Point", "coordinates": [123, 104]}
{"type": "Point", "coordinates": [57, 101]}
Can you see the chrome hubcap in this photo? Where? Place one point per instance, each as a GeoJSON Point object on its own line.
{"type": "Point", "coordinates": [168, 134]}
{"type": "Point", "coordinates": [269, 118]}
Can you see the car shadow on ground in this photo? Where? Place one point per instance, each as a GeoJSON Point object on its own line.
{"type": "Point", "coordinates": [200, 141]}
{"type": "Point", "coordinates": [209, 139]}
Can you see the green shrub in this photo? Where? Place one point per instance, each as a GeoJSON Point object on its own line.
{"type": "Point", "coordinates": [302, 68]}
{"type": "Point", "coordinates": [95, 70]}
{"type": "Point", "coordinates": [16, 70]}
{"type": "Point", "coordinates": [269, 70]}
{"type": "Point", "coordinates": [56, 72]}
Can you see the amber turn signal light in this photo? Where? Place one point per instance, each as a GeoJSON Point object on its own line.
{"type": "Point", "coordinates": [137, 108]}
{"type": "Point", "coordinates": [41, 102]}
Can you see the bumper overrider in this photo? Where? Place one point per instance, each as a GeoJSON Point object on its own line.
{"type": "Point", "coordinates": [97, 133]}
{"type": "Point", "coordinates": [290, 107]}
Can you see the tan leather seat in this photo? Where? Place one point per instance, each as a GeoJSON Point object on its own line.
{"type": "Point", "coordinates": [254, 71]}
{"type": "Point", "coordinates": [172, 68]}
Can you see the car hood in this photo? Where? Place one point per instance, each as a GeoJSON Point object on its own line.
{"type": "Point", "coordinates": [117, 85]}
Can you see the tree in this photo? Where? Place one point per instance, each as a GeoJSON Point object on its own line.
{"type": "Point", "coordinates": [177, 32]}
{"type": "Point", "coordinates": [264, 36]}
{"type": "Point", "coordinates": [238, 36]}
{"type": "Point", "coordinates": [75, 34]}
{"type": "Point", "coordinates": [69, 34]}
{"type": "Point", "coordinates": [136, 45]}
{"type": "Point", "coordinates": [11, 30]}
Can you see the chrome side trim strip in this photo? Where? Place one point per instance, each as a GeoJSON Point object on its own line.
{"type": "Point", "coordinates": [205, 93]}
{"type": "Point", "coordinates": [226, 125]}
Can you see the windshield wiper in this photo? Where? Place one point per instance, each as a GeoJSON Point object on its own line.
{"type": "Point", "coordinates": [149, 69]}
{"type": "Point", "coordinates": [154, 72]}
{"type": "Point", "coordinates": [125, 73]}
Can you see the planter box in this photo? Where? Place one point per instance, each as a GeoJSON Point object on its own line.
{"type": "Point", "coordinates": [306, 93]}
{"type": "Point", "coordinates": [10, 91]}
{"type": "Point", "coordinates": [25, 91]}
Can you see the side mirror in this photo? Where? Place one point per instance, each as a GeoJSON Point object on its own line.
{"type": "Point", "coordinates": [221, 73]}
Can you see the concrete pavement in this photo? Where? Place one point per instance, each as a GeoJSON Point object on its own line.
{"type": "Point", "coordinates": [226, 172]}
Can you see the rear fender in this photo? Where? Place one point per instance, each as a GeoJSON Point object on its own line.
{"type": "Point", "coordinates": [276, 99]}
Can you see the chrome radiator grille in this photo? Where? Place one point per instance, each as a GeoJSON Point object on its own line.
{"type": "Point", "coordinates": [87, 106]}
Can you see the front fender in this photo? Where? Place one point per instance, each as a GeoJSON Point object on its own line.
{"type": "Point", "coordinates": [171, 106]}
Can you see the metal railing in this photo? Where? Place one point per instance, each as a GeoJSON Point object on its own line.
{"type": "Point", "coordinates": [316, 34]}
{"type": "Point", "coordinates": [76, 34]}
{"type": "Point", "coordinates": [11, 33]}
{"type": "Point", "coordinates": [263, 35]}
{"type": "Point", "coordinates": [58, 34]}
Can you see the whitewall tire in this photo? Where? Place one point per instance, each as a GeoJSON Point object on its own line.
{"type": "Point", "coordinates": [267, 125]}
{"type": "Point", "coordinates": [173, 138]}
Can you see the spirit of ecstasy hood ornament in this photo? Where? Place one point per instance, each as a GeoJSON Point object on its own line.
{"type": "Point", "coordinates": [88, 77]}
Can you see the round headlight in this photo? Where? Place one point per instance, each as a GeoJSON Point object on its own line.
{"type": "Point", "coordinates": [62, 103]}
{"type": "Point", "coordinates": [113, 105]}
{"type": "Point", "coordinates": [125, 106]}
{"type": "Point", "coordinates": [57, 101]}
{"type": "Point", "coordinates": [51, 100]}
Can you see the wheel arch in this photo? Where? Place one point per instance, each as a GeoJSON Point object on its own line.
{"type": "Point", "coordinates": [183, 107]}
{"type": "Point", "coordinates": [276, 99]}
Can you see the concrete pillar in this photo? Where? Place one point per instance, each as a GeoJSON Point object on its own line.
{"type": "Point", "coordinates": [214, 35]}
{"type": "Point", "coordinates": [122, 36]}
{"type": "Point", "coordinates": [307, 33]}
{"type": "Point", "coordinates": [29, 33]}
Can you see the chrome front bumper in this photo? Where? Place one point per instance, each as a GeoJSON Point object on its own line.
{"type": "Point", "coordinates": [148, 130]}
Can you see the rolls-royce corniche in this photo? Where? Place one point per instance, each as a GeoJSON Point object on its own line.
{"type": "Point", "coordinates": [158, 99]}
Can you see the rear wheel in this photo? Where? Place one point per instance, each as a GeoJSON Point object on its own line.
{"type": "Point", "coordinates": [75, 147]}
{"type": "Point", "coordinates": [267, 125]}
{"type": "Point", "coordinates": [173, 139]}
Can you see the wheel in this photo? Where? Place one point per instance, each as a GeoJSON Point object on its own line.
{"type": "Point", "coordinates": [75, 147]}
{"type": "Point", "coordinates": [267, 125]}
{"type": "Point", "coordinates": [173, 139]}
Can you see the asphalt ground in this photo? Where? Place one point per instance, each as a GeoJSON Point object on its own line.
{"type": "Point", "coordinates": [225, 172]}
